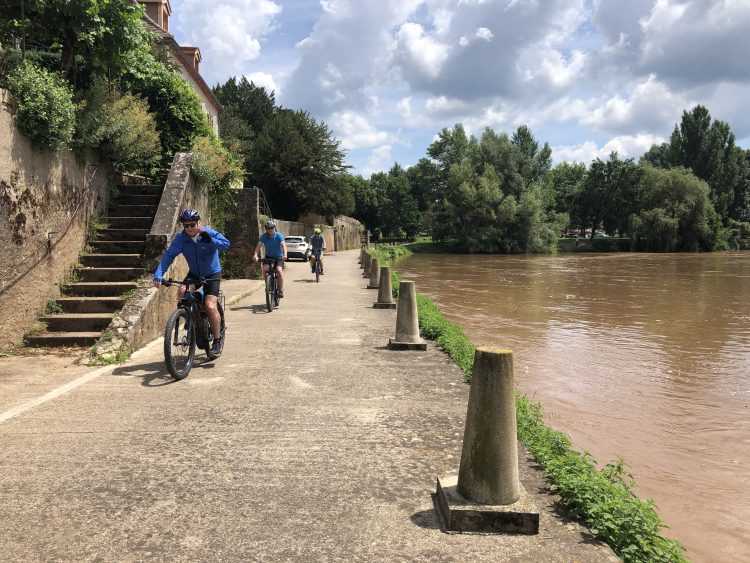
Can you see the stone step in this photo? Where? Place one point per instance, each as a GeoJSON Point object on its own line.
{"type": "Point", "coordinates": [137, 199]}
{"type": "Point", "coordinates": [77, 322]}
{"type": "Point", "coordinates": [109, 274]}
{"type": "Point", "coordinates": [90, 304]}
{"type": "Point", "coordinates": [101, 289]}
{"type": "Point", "coordinates": [117, 222]}
{"type": "Point", "coordinates": [59, 339]}
{"type": "Point", "coordinates": [122, 234]}
{"type": "Point", "coordinates": [117, 246]}
{"type": "Point", "coordinates": [133, 210]}
{"type": "Point", "coordinates": [111, 260]}
{"type": "Point", "coordinates": [140, 188]}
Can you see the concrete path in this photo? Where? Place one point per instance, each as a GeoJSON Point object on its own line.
{"type": "Point", "coordinates": [307, 440]}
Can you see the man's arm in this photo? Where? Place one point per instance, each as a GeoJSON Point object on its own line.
{"type": "Point", "coordinates": [215, 238]}
{"type": "Point", "coordinates": [283, 248]}
{"type": "Point", "coordinates": [257, 251]}
{"type": "Point", "coordinates": [172, 252]}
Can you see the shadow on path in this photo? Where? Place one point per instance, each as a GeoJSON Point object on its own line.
{"type": "Point", "coordinates": [155, 374]}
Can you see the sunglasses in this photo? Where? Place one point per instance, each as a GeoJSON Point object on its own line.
{"type": "Point", "coordinates": [189, 225]}
{"type": "Point", "coordinates": [270, 228]}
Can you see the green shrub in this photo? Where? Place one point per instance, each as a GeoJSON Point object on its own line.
{"type": "Point", "coordinates": [45, 109]}
{"type": "Point", "coordinates": [180, 116]}
{"type": "Point", "coordinates": [123, 128]}
{"type": "Point", "coordinates": [213, 165]}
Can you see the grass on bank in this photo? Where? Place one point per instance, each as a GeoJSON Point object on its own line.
{"type": "Point", "coordinates": [603, 499]}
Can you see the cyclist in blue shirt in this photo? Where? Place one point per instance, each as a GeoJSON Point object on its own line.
{"type": "Point", "coordinates": [200, 246]}
{"type": "Point", "coordinates": [275, 248]}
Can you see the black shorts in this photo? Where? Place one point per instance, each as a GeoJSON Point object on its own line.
{"type": "Point", "coordinates": [211, 287]}
{"type": "Point", "coordinates": [279, 261]}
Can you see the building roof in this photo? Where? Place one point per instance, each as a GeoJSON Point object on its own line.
{"type": "Point", "coordinates": [176, 50]}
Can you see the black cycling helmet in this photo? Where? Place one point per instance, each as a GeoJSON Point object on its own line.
{"type": "Point", "coordinates": [270, 224]}
{"type": "Point", "coordinates": [189, 215]}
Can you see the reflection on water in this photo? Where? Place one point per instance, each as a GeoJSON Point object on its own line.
{"type": "Point", "coordinates": [639, 356]}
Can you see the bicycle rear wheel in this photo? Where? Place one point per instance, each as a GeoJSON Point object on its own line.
{"type": "Point", "coordinates": [179, 344]}
{"type": "Point", "coordinates": [270, 292]}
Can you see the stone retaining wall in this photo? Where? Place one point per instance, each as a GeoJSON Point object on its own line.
{"type": "Point", "coordinates": [46, 201]}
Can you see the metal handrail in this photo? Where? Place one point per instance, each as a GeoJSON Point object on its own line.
{"type": "Point", "coordinates": [48, 242]}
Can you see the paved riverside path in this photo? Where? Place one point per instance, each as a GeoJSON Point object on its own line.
{"type": "Point", "coordinates": [307, 440]}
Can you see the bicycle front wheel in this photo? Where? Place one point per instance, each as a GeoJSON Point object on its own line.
{"type": "Point", "coordinates": [270, 292]}
{"type": "Point", "coordinates": [179, 344]}
{"type": "Point", "coordinates": [317, 270]}
{"type": "Point", "coordinates": [223, 329]}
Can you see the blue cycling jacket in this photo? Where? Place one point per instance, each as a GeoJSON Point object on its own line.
{"type": "Point", "coordinates": [202, 256]}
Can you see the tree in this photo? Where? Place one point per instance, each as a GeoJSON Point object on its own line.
{"type": "Point", "coordinates": [365, 203]}
{"type": "Point", "coordinates": [450, 148]}
{"type": "Point", "coordinates": [567, 183]}
{"type": "Point", "coordinates": [248, 102]}
{"type": "Point", "coordinates": [610, 194]}
{"type": "Point", "coordinates": [101, 32]}
{"type": "Point", "coordinates": [298, 163]}
{"type": "Point", "coordinates": [424, 179]}
{"type": "Point", "coordinates": [677, 213]}
{"type": "Point", "coordinates": [707, 148]}
{"type": "Point", "coordinates": [740, 209]}
{"type": "Point", "coordinates": [398, 214]}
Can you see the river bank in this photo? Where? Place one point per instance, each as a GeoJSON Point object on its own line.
{"type": "Point", "coordinates": [649, 350]}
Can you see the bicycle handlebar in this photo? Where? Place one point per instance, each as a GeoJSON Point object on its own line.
{"type": "Point", "coordinates": [167, 282]}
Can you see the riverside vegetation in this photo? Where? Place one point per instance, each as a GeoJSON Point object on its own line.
{"type": "Point", "coordinates": [500, 193]}
{"type": "Point", "coordinates": [603, 499]}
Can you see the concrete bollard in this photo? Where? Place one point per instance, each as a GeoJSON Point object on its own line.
{"type": "Point", "coordinates": [487, 495]}
{"type": "Point", "coordinates": [361, 260]}
{"type": "Point", "coordinates": [374, 274]}
{"type": "Point", "coordinates": [368, 261]}
{"type": "Point", "coordinates": [385, 290]}
{"type": "Point", "coordinates": [489, 460]}
{"type": "Point", "coordinates": [407, 322]}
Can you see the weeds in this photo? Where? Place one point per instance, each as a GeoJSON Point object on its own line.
{"type": "Point", "coordinates": [96, 226]}
{"type": "Point", "coordinates": [52, 307]}
{"type": "Point", "coordinates": [37, 327]}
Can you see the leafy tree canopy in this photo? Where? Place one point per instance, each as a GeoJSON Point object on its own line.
{"type": "Point", "coordinates": [298, 163]}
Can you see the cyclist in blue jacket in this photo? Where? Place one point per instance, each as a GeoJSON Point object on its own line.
{"type": "Point", "coordinates": [200, 246]}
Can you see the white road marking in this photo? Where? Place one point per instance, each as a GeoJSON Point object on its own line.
{"type": "Point", "coordinates": [68, 387]}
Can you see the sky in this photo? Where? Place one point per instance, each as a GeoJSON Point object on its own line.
{"type": "Point", "coordinates": [587, 76]}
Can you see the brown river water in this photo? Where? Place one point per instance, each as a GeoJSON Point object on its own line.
{"type": "Point", "coordinates": [643, 357]}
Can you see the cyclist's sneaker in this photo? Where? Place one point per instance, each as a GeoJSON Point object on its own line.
{"type": "Point", "coordinates": [216, 347]}
{"type": "Point", "coordinates": [312, 270]}
{"type": "Point", "coordinates": [322, 272]}
{"type": "Point", "coordinates": [281, 293]}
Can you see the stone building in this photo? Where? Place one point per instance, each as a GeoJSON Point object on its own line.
{"type": "Point", "coordinates": [187, 59]}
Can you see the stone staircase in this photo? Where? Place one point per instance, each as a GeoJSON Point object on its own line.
{"type": "Point", "coordinates": [106, 274]}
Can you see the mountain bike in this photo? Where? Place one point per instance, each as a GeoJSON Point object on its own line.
{"type": "Point", "coordinates": [188, 327]}
{"type": "Point", "coordinates": [272, 283]}
{"type": "Point", "coordinates": [317, 268]}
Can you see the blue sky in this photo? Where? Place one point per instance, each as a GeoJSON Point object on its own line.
{"type": "Point", "coordinates": [587, 76]}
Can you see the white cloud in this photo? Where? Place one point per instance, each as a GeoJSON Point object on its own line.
{"type": "Point", "coordinates": [356, 132]}
{"type": "Point", "coordinates": [228, 34]}
{"type": "Point", "coordinates": [651, 107]}
{"type": "Point", "coordinates": [404, 107]}
{"type": "Point", "coordinates": [264, 80]}
{"type": "Point", "coordinates": [484, 33]}
{"type": "Point", "coordinates": [626, 146]}
{"type": "Point", "coordinates": [380, 159]}
{"type": "Point", "coordinates": [419, 52]}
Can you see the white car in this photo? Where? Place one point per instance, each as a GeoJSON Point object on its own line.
{"type": "Point", "coordinates": [297, 247]}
